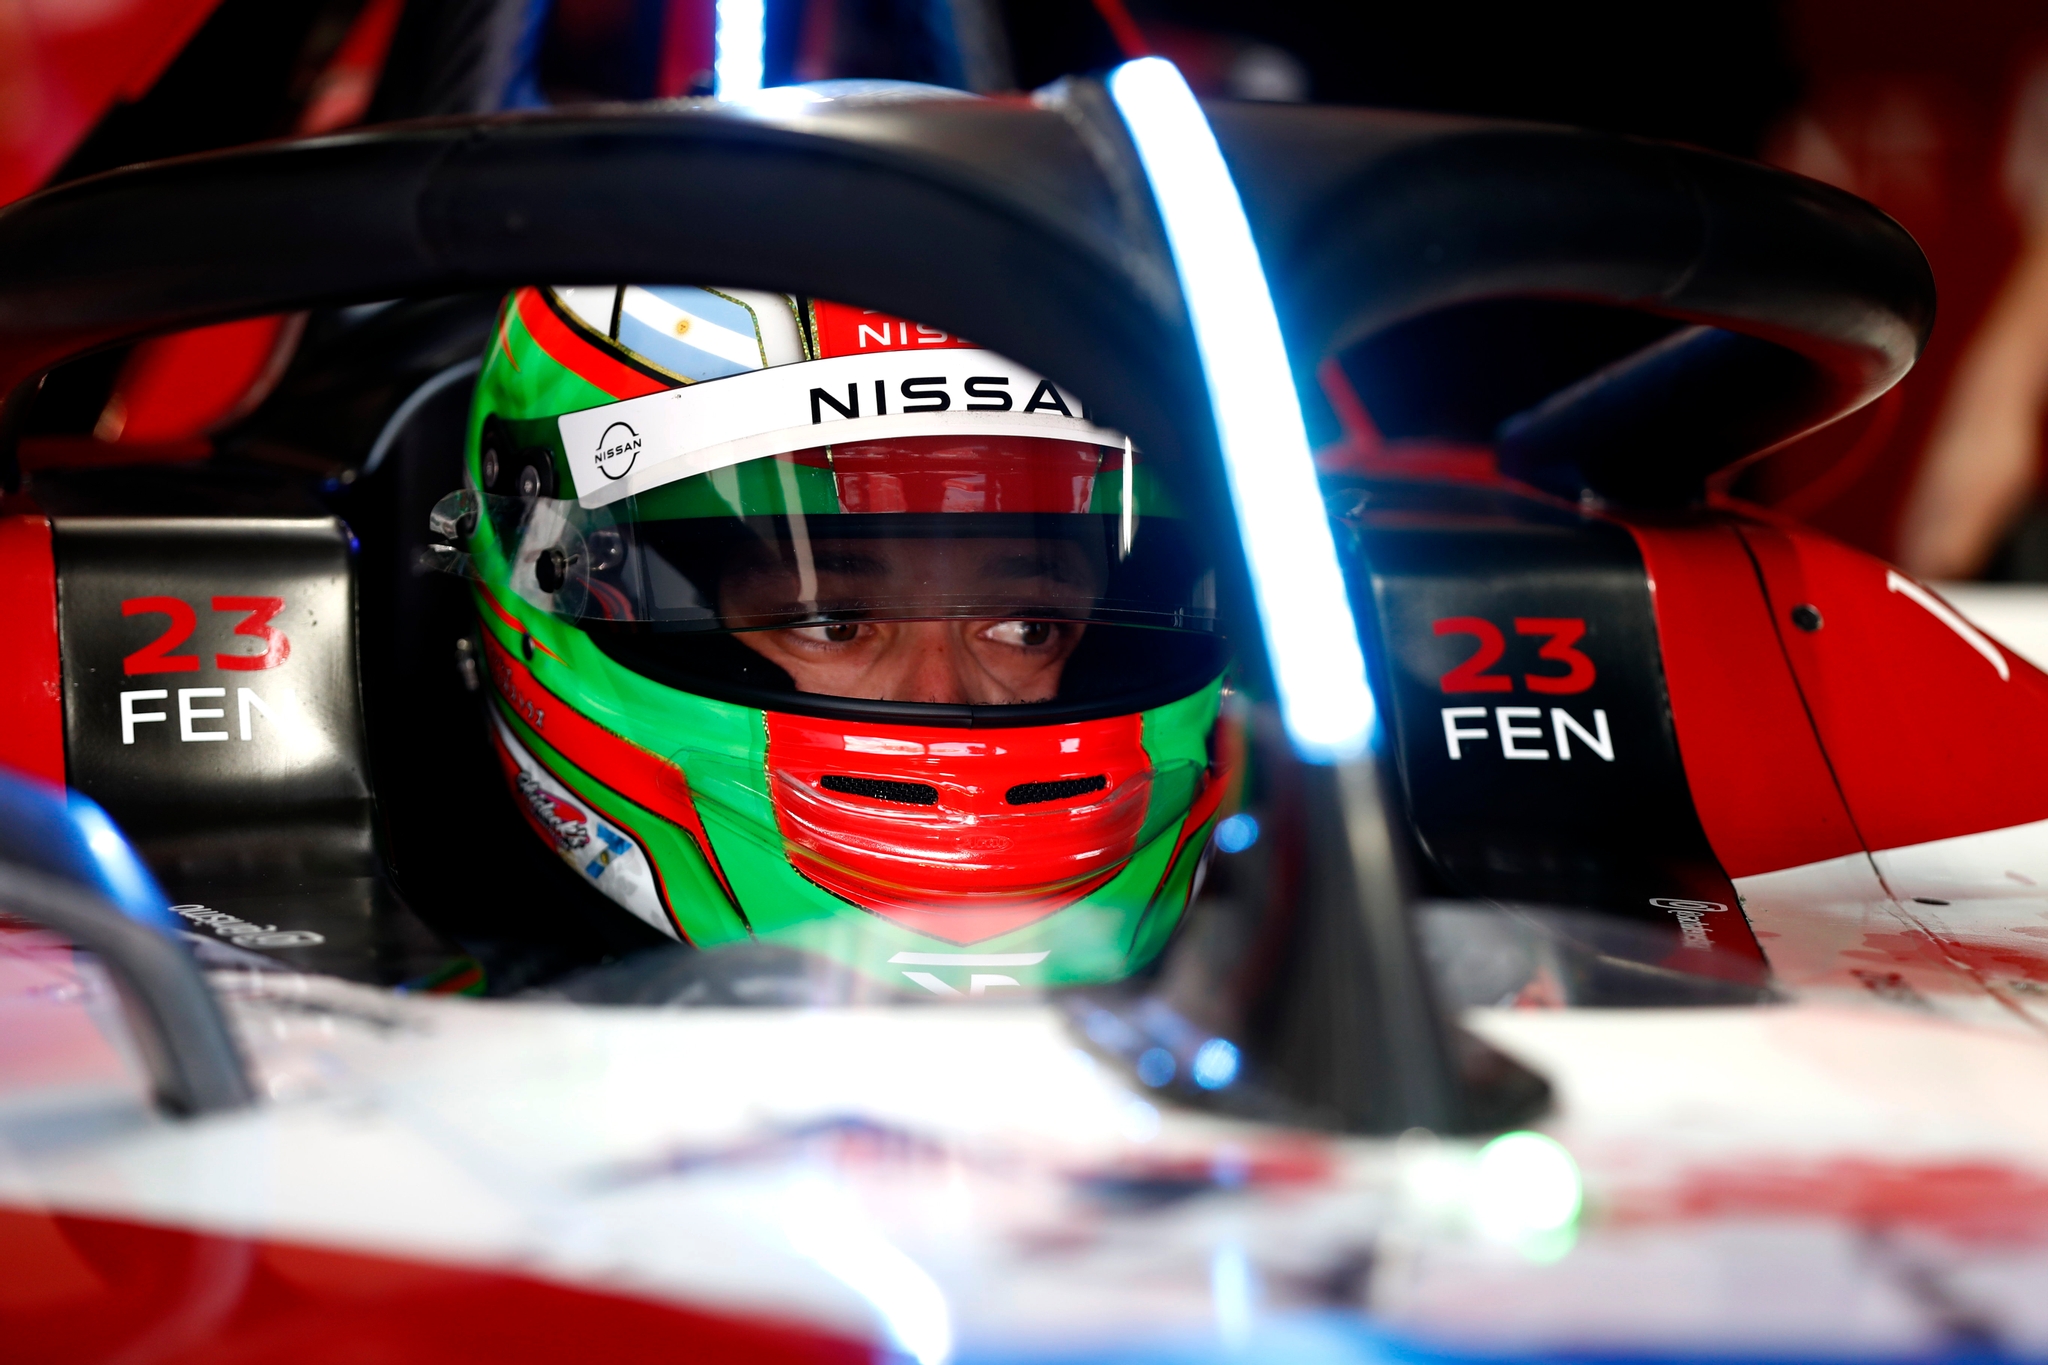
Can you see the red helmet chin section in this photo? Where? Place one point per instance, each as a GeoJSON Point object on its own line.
{"type": "Point", "coordinates": [959, 834]}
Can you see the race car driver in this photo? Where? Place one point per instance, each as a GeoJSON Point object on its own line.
{"type": "Point", "coordinates": [814, 626]}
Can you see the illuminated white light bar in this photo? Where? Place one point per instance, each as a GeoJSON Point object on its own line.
{"type": "Point", "coordinates": [737, 69]}
{"type": "Point", "coordinates": [1311, 635]}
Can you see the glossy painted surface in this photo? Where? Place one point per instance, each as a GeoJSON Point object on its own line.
{"type": "Point", "coordinates": [31, 685]}
{"type": "Point", "coordinates": [180, 387]}
{"type": "Point", "coordinates": [69, 63]}
{"type": "Point", "coordinates": [96, 1288]}
{"type": "Point", "coordinates": [1737, 708]}
{"type": "Point", "coordinates": [922, 824]}
{"type": "Point", "coordinates": [1932, 731]}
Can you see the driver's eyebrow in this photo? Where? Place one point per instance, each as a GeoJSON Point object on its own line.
{"type": "Point", "coordinates": [1022, 567]}
{"type": "Point", "coordinates": [852, 562]}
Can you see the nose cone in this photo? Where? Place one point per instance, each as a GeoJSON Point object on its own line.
{"type": "Point", "coordinates": [959, 834]}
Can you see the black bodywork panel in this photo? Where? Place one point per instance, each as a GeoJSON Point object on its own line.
{"type": "Point", "coordinates": [1530, 779]}
{"type": "Point", "coordinates": [212, 705]}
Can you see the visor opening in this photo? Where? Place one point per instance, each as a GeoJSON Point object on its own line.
{"type": "Point", "coordinates": [881, 789]}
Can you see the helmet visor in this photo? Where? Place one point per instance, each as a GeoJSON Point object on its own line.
{"type": "Point", "coordinates": [835, 569]}
{"type": "Point", "coordinates": [1031, 528]}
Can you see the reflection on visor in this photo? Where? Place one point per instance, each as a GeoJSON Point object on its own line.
{"type": "Point", "coordinates": [912, 530]}
{"type": "Point", "coordinates": [773, 572]}
{"type": "Point", "coordinates": [976, 573]}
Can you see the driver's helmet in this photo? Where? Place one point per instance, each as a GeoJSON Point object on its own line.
{"type": "Point", "coordinates": [810, 625]}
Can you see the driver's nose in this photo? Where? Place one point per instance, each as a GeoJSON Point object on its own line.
{"type": "Point", "coordinates": [934, 655]}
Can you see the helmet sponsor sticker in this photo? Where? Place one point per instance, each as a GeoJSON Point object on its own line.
{"type": "Point", "coordinates": [629, 447]}
{"type": "Point", "coordinates": [696, 333]}
{"type": "Point", "coordinates": [617, 449]}
{"type": "Point", "coordinates": [842, 329]}
{"type": "Point", "coordinates": [607, 857]}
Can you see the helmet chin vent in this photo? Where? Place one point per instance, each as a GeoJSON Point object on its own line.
{"type": "Point", "coordinates": [881, 789]}
{"type": "Point", "coordinates": [1031, 793]}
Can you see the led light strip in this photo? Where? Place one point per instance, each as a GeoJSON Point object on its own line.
{"type": "Point", "coordinates": [1304, 611]}
{"type": "Point", "coordinates": [742, 36]}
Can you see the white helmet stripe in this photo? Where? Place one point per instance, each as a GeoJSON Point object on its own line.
{"type": "Point", "coordinates": [624, 448]}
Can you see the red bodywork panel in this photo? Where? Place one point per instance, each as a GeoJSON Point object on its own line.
{"type": "Point", "coordinates": [1929, 736]}
{"type": "Point", "coordinates": [31, 685]}
{"type": "Point", "coordinates": [181, 386]}
{"type": "Point", "coordinates": [69, 64]}
{"type": "Point", "coordinates": [1765, 794]}
{"type": "Point", "coordinates": [65, 66]}
{"type": "Point", "coordinates": [99, 1289]}
{"type": "Point", "coordinates": [1894, 722]}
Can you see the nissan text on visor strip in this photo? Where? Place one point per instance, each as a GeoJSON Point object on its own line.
{"type": "Point", "coordinates": [639, 444]}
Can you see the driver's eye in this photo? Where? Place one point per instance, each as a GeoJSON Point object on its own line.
{"type": "Point", "coordinates": [1026, 634]}
{"type": "Point", "coordinates": [837, 633]}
